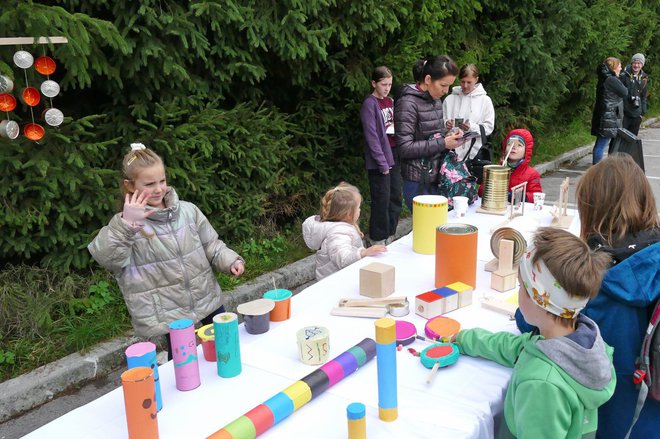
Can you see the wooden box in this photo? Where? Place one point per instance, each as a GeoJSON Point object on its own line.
{"type": "Point", "coordinates": [449, 296]}
{"type": "Point", "coordinates": [377, 280]}
{"type": "Point", "coordinates": [465, 293]}
{"type": "Point", "coordinates": [429, 305]}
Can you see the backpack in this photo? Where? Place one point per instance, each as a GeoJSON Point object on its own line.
{"type": "Point", "coordinates": [483, 157]}
{"type": "Point", "coordinates": [455, 180]}
{"type": "Point", "coordinates": [647, 375]}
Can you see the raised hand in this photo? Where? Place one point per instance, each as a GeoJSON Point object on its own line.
{"type": "Point", "coordinates": [134, 213]}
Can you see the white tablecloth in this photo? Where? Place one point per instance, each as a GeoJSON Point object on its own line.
{"type": "Point", "coordinates": [464, 400]}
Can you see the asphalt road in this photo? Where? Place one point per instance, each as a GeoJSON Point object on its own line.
{"type": "Point", "coordinates": [651, 143]}
{"type": "Point", "coordinates": [30, 421]}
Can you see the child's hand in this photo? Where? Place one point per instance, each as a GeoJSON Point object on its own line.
{"type": "Point", "coordinates": [134, 204]}
{"type": "Point", "coordinates": [373, 250]}
{"type": "Point", "coordinates": [237, 268]}
{"type": "Point", "coordinates": [452, 139]}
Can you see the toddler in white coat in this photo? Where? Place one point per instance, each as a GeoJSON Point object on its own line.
{"type": "Point", "coordinates": [335, 233]}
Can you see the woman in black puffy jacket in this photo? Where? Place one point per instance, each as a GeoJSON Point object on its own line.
{"type": "Point", "coordinates": [419, 126]}
{"type": "Point", "coordinates": [608, 111]}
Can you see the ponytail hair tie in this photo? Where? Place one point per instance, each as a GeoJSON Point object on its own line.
{"type": "Point", "coordinates": [137, 146]}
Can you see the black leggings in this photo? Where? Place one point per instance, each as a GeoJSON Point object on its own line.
{"type": "Point", "coordinates": [205, 321]}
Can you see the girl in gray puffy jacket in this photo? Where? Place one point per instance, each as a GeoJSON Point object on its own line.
{"type": "Point", "coordinates": [335, 233]}
{"type": "Point", "coordinates": [162, 250]}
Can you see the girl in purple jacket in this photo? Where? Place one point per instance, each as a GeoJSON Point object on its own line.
{"type": "Point", "coordinates": [381, 157]}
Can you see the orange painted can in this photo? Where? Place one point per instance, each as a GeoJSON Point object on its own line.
{"type": "Point", "coordinates": [456, 254]}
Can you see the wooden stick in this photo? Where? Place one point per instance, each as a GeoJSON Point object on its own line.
{"type": "Point", "coordinates": [17, 41]}
{"type": "Point", "coordinates": [433, 371]}
{"type": "Point", "coordinates": [372, 313]}
{"type": "Point", "coordinates": [373, 302]}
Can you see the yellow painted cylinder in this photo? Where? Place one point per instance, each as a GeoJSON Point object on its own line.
{"type": "Point", "coordinates": [429, 212]}
{"type": "Point", "coordinates": [385, 330]}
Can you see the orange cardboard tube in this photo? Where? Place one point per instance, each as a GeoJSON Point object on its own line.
{"type": "Point", "coordinates": [456, 254]}
{"type": "Point", "coordinates": [140, 402]}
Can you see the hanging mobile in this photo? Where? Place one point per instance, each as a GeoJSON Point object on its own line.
{"type": "Point", "coordinates": [49, 88]}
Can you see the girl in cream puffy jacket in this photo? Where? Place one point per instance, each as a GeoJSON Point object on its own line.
{"type": "Point", "coordinates": [334, 233]}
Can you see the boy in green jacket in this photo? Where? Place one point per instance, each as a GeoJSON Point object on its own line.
{"type": "Point", "coordinates": [563, 375]}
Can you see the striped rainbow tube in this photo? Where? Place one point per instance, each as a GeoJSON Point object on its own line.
{"type": "Point", "coordinates": [386, 362]}
{"type": "Point", "coordinates": [275, 409]}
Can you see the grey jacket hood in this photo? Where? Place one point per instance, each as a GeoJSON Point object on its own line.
{"type": "Point", "coordinates": [582, 355]}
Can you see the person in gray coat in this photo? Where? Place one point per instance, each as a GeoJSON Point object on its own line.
{"type": "Point", "coordinates": [419, 126]}
{"type": "Point", "coordinates": [163, 251]}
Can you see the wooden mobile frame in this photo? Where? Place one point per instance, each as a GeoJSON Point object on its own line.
{"type": "Point", "coordinates": [560, 210]}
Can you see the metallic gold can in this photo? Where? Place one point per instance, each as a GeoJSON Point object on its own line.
{"type": "Point", "coordinates": [496, 185]}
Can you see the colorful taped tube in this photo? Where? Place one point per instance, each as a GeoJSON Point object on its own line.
{"type": "Point", "coordinates": [283, 404]}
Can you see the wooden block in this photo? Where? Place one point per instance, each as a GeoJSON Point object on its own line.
{"type": "Point", "coordinates": [499, 305]}
{"type": "Point", "coordinates": [429, 305]}
{"type": "Point", "coordinates": [377, 280]}
{"type": "Point", "coordinates": [465, 293]}
{"type": "Point", "coordinates": [505, 257]}
{"type": "Point", "coordinates": [491, 265]}
{"type": "Point", "coordinates": [449, 296]}
{"type": "Point", "coordinates": [503, 280]}
{"type": "Point", "coordinates": [563, 222]}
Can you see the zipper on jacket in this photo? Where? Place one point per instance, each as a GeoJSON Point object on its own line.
{"type": "Point", "coordinates": [186, 281]}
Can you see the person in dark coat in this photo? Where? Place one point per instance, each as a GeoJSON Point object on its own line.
{"type": "Point", "coordinates": [636, 81]}
{"type": "Point", "coordinates": [608, 110]}
{"type": "Point", "coordinates": [419, 126]}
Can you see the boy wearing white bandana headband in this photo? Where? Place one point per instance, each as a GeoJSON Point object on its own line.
{"type": "Point", "coordinates": [563, 375]}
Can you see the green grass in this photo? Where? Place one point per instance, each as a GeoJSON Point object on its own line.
{"type": "Point", "coordinates": [551, 145]}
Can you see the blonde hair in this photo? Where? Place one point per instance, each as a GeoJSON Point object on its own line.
{"type": "Point", "coordinates": [614, 198]}
{"type": "Point", "coordinates": [612, 62]}
{"type": "Point", "coordinates": [578, 269]}
{"type": "Point", "coordinates": [340, 204]}
{"type": "Point", "coordinates": [138, 158]}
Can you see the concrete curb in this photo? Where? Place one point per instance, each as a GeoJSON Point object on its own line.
{"type": "Point", "coordinates": [32, 389]}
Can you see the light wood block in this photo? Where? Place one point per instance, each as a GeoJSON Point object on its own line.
{"type": "Point", "coordinates": [503, 280]}
{"type": "Point", "coordinates": [465, 293]}
{"type": "Point", "coordinates": [429, 305]}
{"type": "Point", "coordinates": [563, 222]}
{"type": "Point", "coordinates": [377, 280]}
{"type": "Point", "coordinates": [499, 305]}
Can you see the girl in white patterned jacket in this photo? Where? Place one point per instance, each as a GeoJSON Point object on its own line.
{"type": "Point", "coordinates": [335, 233]}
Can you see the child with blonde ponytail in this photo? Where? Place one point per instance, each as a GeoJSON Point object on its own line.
{"type": "Point", "coordinates": [335, 233]}
{"type": "Point", "coordinates": [162, 250]}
